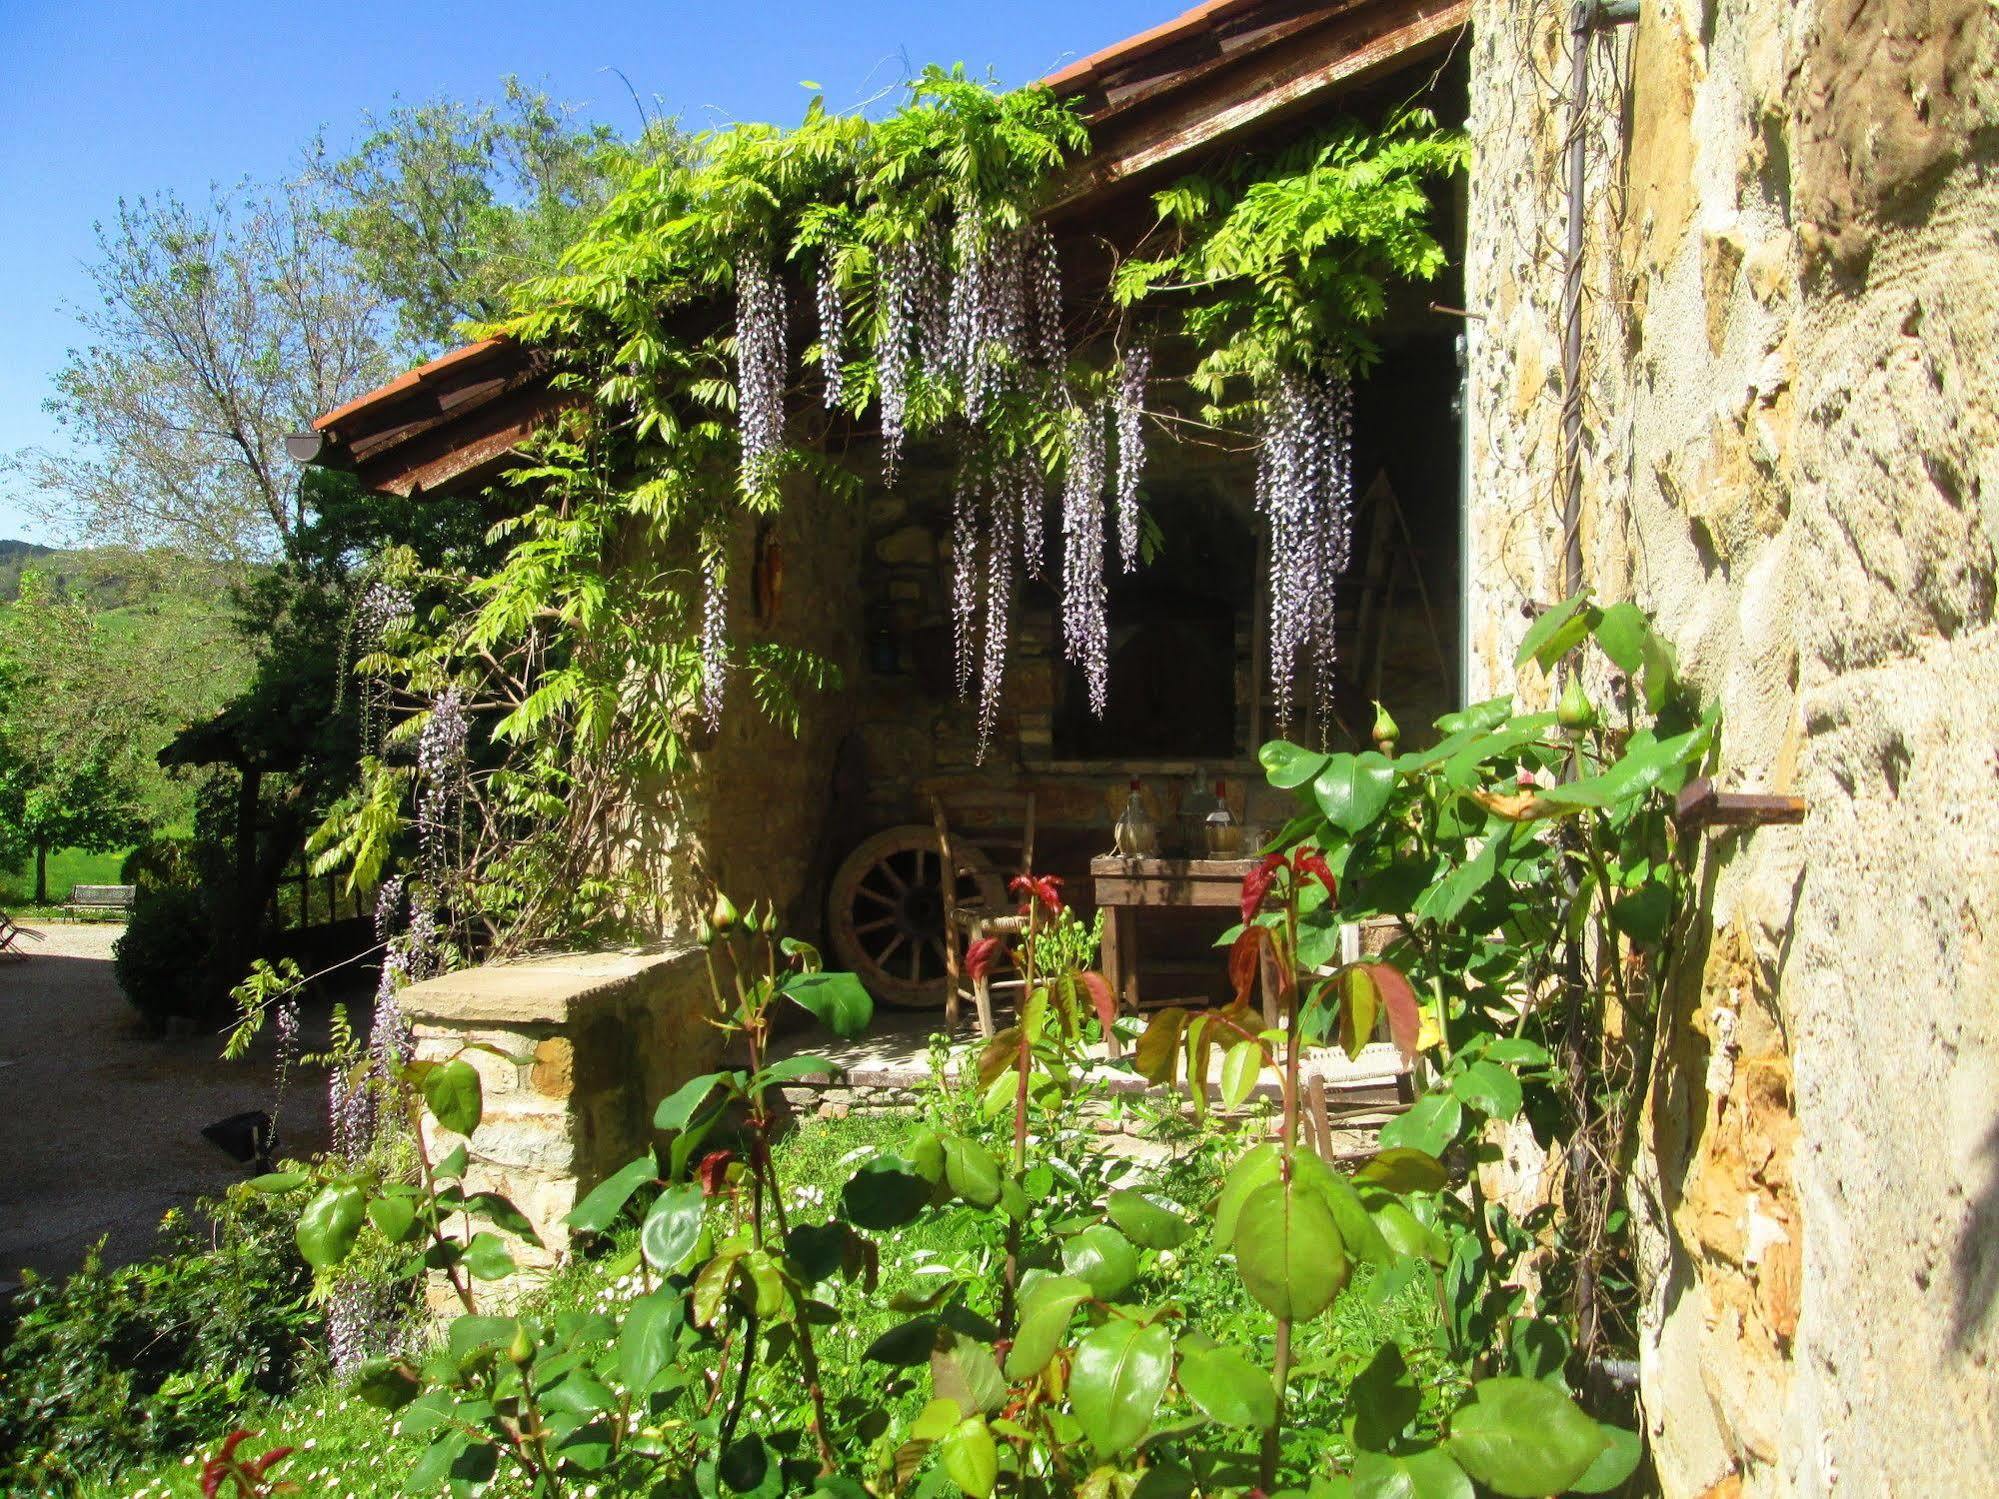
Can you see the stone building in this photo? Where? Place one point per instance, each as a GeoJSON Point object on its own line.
{"type": "Point", "coordinates": [1788, 312]}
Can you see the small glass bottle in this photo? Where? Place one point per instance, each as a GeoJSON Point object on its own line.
{"type": "Point", "coordinates": [1135, 836]}
{"type": "Point", "coordinates": [1224, 833]}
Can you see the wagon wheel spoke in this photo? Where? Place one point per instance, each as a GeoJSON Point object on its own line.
{"type": "Point", "coordinates": [886, 869]}
{"type": "Point", "coordinates": [876, 896]}
{"type": "Point", "coordinates": [887, 952]}
{"type": "Point", "coordinates": [915, 961]}
{"type": "Point", "coordinates": [943, 957]}
{"type": "Point", "coordinates": [874, 926]}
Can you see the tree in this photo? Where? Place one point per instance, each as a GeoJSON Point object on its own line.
{"type": "Point", "coordinates": [68, 725]}
{"type": "Point", "coordinates": [219, 330]}
{"type": "Point", "coordinates": [447, 205]}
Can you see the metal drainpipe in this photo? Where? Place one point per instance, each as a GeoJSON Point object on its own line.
{"type": "Point", "coordinates": [1584, 21]}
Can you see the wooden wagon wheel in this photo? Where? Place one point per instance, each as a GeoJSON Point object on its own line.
{"type": "Point", "coordinates": [885, 913]}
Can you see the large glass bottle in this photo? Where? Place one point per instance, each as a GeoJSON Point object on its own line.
{"type": "Point", "coordinates": [1135, 835]}
{"type": "Point", "coordinates": [1224, 833]}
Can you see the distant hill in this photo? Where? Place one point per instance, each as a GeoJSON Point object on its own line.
{"type": "Point", "coordinates": [15, 558]}
{"type": "Point", "coordinates": [110, 577]}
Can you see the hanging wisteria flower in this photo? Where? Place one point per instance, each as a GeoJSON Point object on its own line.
{"type": "Point", "coordinates": [999, 605]}
{"type": "Point", "coordinates": [1022, 478]}
{"type": "Point", "coordinates": [964, 579]}
{"type": "Point", "coordinates": [1304, 487]}
{"type": "Point", "coordinates": [384, 609]}
{"type": "Point", "coordinates": [894, 341]}
{"type": "Point", "coordinates": [760, 320]}
{"type": "Point", "coordinates": [1044, 286]}
{"type": "Point", "coordinates": [1135, 370]}
{"type": "Point", "coordinates": [440, 762]}
{"type": "Point", "coordinates": [1085, 629]}
{"type": "Point", "coordinates": [832, 332]}
{"type": "Point", "coordinates": [714, 635]}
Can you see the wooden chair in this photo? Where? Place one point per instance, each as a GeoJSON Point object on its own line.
{"type": "Point", "coordinates": [966, 924]}
{"type": "Point", "coordinates": [11, 935]}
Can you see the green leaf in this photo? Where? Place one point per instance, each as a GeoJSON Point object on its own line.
{"type": "Point", "coordinates": [1550, 636]}
{"type": "Point", "coordinates": [1617, 1462]}
{"type": "Point", "coordinates": [487, 1257]}
{"type": "Point", "coordinates": [680, 1106]}
{"type": "Point", "coordinates": [1353, 790]}
{"type": "Point", "coordinates": [600, 1207]}
{"type": "Point", "coordinates": [501, 1213]}
{"type": "Point", "coordinates": [1429, 1474]}
{"type": "Point", "coordinates": [468, 1335]}
{"type": "Point", "coordinates": [1382, 1401]}
{"type": "Point", "coordinates": [1258, 1165]}
{"type": "Point", "coordinates": [971, 1457]}
{"type": "Point", "coordinates": [433, 1468]}
{"type": "Point", "coordinates": [924, 1150]}
{"type": "Point", "coordinates": [817, 1251]}
{"type": "Point", "coordinates": [1359, 1234]}
{"type": "Point", "coordinates": [1621, 631]}
{"type": "Point", "coordinates": [386, 1384]}
{"type": "Point", "coordinates": [1519, 1051]}
{"type": "Point", "coordinates": [971, 1171]}
{"type": "Point", "coordinates": [1103, 1259]}
{"type": "Point", "coordinates": [964, 1370]}
{"type": "Point", "coordinates": [1046, 1304]}
{"type": "Point", "coordinates": [648, 1337]}
{"type": "Point", "coordinates": [327, 1228]}
{"type": "Point", "coordinates": [1406, 1234]}
{"type": "Point", "coordinates": [792, 1068]}
{"type": "Point", "coordinates": [452, 1167]}
{"type": "Point", "coordinates": [1430, 1124]}
{"type": "Point", "coordinates": [1117, 1381]}
{"type": "Point", "coordinates": [278, 1181]}
{"type": "Point", "coordinates": [1241, 1067]}
{"type": "Point", "coordinates": [1287, 765]}
{"type": "Point", "coordinates": [672, 1226]}
{"type": "Point", "coordinates": [1400, 1169]}
{"type": "Point", "coordinates": [1645, 914]}
{"type": "Point", "coordinates": [1227, 1387]}
{"type": "Point", "coordinates": [1447, 898]}
{"type": "Point", "coordinates": [393, 1217]}
{"type": "Point", "coordinates": [905, 1345]}
{"type": "Point", "coordinates": [885, 1193]}
{"type": "Point", "coordinates": [1523, 1438]}
{"type": "Point", "coordinates": [579, 1393]}
{"type": "Point", "coordinates": [451, 1093]}
{"type": "Point", "coordinates": [1288, 1251]}
{"type": "Point", "coordinates": [837, 999]}
{"type": "Point", "coordinates": [744, 1464]}
{"type": "Point", "coordinates": [1146, 1221]}
{"type": "Point", "coordinates": [1490, 1088]}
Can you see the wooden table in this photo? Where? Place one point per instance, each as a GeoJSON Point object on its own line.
{"type": "Point", "coordinates": [1125, 886]}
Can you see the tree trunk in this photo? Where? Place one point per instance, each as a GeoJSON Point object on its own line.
{"type": "Point", "coordinates": [41, 874]}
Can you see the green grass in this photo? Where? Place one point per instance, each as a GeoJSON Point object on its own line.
{"type": "Point", "coordinates": [347, 1448]}
{"type": "Point", "coordinates": [67, 867]}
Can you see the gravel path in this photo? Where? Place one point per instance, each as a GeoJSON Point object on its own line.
{"type": "Point", "coordinates": [99, 1122]}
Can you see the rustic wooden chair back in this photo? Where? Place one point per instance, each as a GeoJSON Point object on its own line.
{"type": "Point", "coordinates": [966, 924]}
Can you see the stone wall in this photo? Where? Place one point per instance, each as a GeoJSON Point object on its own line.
{"type": "Point", "coordinates": [1793, 460]}
{"type": "Point", "coordinates": [573, 1052]}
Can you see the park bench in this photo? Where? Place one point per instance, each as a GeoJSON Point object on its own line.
{"type": "Point", "coordinates": [99, 900]}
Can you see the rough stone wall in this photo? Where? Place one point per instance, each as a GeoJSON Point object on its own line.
{"type": "Point", "coordinates": [573, 1053]}
{"type": "Point", "coordinates": [1793, 460]}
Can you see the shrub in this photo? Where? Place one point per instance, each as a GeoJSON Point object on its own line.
{"type": "Point", "coordinates": [160, 958]}
{"type": "Point", "coordinates": [113, 1366]}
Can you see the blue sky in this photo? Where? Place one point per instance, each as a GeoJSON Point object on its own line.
{"type": "Point", "coordinates": [98, 100]}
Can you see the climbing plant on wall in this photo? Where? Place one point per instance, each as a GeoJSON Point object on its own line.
{"type": "Point", "coordinates": [674, 330]}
